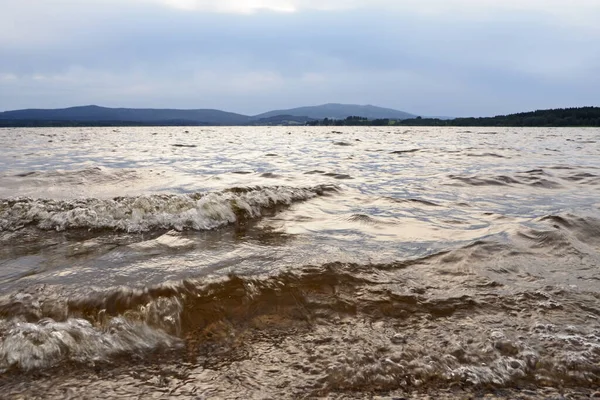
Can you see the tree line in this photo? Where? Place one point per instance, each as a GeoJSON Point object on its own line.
{"type": "Point", "coordinates": [562, 117]}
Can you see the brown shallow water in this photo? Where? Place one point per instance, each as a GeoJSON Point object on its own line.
{"type": "Point", "coordinates": [300, 263]}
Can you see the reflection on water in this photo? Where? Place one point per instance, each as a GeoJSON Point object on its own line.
{"type": "Point", "coordinates": [299, 262]}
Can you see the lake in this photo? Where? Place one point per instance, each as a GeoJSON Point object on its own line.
{"type": "Point", "coordinates": [278, 262]}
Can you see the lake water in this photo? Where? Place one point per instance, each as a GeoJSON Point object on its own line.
{"type": "Point", "coordinates": [279, 262]}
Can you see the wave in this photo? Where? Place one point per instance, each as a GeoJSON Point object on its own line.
{"type": "Point", "coordinates": [585, 229]}
{"type": "Point", "coordinates": [364, 219]}
{"type": "Point", "coordinates": [41, 331]}
{"type": "Point", "coordinates": [94, 175]}
{"type": "Point", "coordinates": [196, 211]}
{"type": "Point", "coordinates": [529, 178]}
{"type": "Point", "coordinates": [495, 155]}
{"type": "Point", "coordinates": [405, 151]}
{"type": "Point", "coordinates": [30, 346]}
{"type": "Point", "coordinates": [500, 180]}
{"type": "Point", "coordinates": [398, 331]}
{"type": "Point", "coordinates": [414, 201]}
{"type": "Point", "coordinates": [534, 178]}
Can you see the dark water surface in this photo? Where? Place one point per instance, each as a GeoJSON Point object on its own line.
{"type": "Point", "coordinates": [299, 262]}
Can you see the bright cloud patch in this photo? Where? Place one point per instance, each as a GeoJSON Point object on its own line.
{"type": "Point", "coordinates": [237, 6]}
{"type": "Point", "coordinates": [573, 8]}
{"type": "Point", "coordinates": [251, 6]}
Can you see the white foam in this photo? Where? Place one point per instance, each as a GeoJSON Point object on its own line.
{"type": "Point", "coordinates": [145, 213]}
{"type": "Point", "coordinates": [28, 346]}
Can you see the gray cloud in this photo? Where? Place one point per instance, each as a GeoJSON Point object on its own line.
{"type": "Point", "coordinates": [478, 58]}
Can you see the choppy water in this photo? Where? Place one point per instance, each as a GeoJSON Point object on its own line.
{"type": "Point", "coordinates": [299, 262]}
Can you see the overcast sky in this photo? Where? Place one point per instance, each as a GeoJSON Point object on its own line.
{"type": "Point", "coordinates": [428, 57]}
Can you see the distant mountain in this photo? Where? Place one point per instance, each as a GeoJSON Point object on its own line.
{"type": "Point", "coordinates": [103, 116]}
{"type": "Point", "coordinates": [95, 114]}
{"type": "Point", "coordinates": [339, 111]}
{"type": "Point", "coordinates": [287, 120]}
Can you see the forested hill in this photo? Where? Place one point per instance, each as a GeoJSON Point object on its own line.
{"type": "Point", "coordinates": [584, 116]}
{"type": "Point", "coordinates": [577, 117]}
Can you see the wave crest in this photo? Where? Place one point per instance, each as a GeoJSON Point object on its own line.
{"type": "Point", "coordinates": [197, 211]}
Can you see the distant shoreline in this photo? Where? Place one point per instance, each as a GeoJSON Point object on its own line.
{"type": "Point", "coordinates": [564, 117]}
{"type": "Point", "coordinates": [567, 117]}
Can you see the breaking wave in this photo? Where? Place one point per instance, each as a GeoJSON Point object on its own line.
{"type": "Point", "coordinates": [397, 332]}
{"type": "Point", "coordinates": [197, 211]}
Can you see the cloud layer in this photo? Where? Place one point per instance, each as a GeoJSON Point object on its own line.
{"type": "Point", "coordinates": [451, 57]}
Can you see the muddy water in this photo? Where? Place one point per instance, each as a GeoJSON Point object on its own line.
{"type": "Point", "coordinates": [299, 262]}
